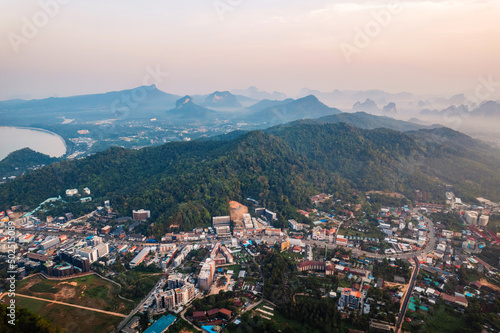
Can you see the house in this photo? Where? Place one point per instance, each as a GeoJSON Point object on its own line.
{"type": "Point", "coordinates": [212, 313]}
{"type": "Point", "coordinates": [226, 313]}
{"type": "Point", "coordinates": [199, 315]}
{"type": "Point", "coordinates": [457, 299]}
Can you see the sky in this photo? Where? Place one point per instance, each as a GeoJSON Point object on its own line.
{"type": "Point", "coordinates": [69, 47]}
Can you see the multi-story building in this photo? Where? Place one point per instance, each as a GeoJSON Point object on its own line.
{"type": "Point", "coordinates": [223, 231]}
{"type": "Point", "coordinates": [227, 255]}
{"type": "Point", "coordinates": [349, 298]}
{"type": "Point", "coordinates": [88, 252]}
{"type": "Point", "coordinates": [471, 217]}
{"type": "Point", "coordinates": [141, 215]}
{"type": "Point", "coordinates": [49, 243]}
{"type": "Point", "coordinates": [176, 280]}
{"type": "Point", "coordinates": [165, 248]}
{"type": "Point", "coordinates": [215, 250]}
{"type": "Point", "coordinates": [220, 221]}
{"type": "Point", "coordinates": [206, 274]}
{"type": "Point", "coordinates": [483, 220]}
{"type": "Point", "coordinates": [295, 225]}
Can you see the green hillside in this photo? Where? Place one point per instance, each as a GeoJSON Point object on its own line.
{"type": "Point", "coordinates": [187, 182]}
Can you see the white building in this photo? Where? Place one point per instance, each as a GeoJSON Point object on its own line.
{"type": "Point", "coordinates": [483, 220]}
{"type": "Point", "coordinates": [71, 192]}
{"type": "Point", "coordinates": [471, 217]}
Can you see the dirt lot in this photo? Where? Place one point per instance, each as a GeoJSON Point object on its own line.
{"type": "Point", "coordinates": [486, 283]}
{"type": "Point", "coordinates": [402, 287]}
{"type": "Point", "coordinates": [237, 210]}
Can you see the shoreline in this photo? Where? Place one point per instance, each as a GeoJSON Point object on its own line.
{"type": "Point", "coordinates": [38, 130]}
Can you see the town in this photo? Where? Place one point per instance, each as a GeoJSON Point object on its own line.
{"type": "Point", "coordinates": [391, 266]}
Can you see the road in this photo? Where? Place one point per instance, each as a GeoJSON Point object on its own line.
{"type": "Point", "coordinates": [138, 307]}
{"type": "Point", "coordinates": [407, 296]}
{"type": "Point", "coordinates": [74, 305]}
{"type": "Point", "coordinates": [428, 248]}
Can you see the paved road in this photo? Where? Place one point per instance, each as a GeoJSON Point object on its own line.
{"type": "Point", "coordinates": [407, 297]}
{"type": "Point", "coordinates": [138, 307]}
{"type": "Point", "coordinates": [428, 248]}
{"type": "Point", "coordinates": [74, 305]}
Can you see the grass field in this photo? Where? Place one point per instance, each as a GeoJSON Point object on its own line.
{"type": "Point", "coordinates": [235, 268]}
{"type": "Point", "coordinates": [90, 291]}
{"type": "Point", "coordinates": [68, 318]}
{"type": "Point", "coordinates": [441, 321]}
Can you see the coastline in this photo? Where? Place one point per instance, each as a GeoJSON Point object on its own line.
{"type": "Point", "coordinates": [40, 130]}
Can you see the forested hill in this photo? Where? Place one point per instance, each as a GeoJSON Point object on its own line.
{"type": "Point", "coordinates": [20, 160]}
{"type": "Point", "coordinates": [187, 182]}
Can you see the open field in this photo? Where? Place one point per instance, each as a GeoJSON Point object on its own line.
{"type": "Point", "coordinates": [389, 194]}
{"type": "Point", "coordinates": [69, 318]}
{"type": "Point", "coordinates": [90, 291]}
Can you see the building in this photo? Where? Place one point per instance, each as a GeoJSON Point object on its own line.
{"type": "Point", "coordinates": [164, 248]}
{"type": "Point", "coordinates": [26, 239]}
{"type": "Point", "coordinates": [102, 249]}
{"type": "Point", "coordinates": [49, 243]}
{"type": "Point", "coordinates": [215, 250]}
{"type": "Point", "coordinates": [311, 266]}
{"type": "Point", "coordinates": [184, 294]}
{"type": "Point", "coordinates": [349, 298]}
{"type": "Point", "coordinates": [266, 213]}
{"type": "Point", "coordinates": [71, 192]}
{"type": "Point", "coordinates": [106, 230]}
{"type": "Point", "coordinates": [471, 217]}
{"type": "Point", "coordinates": [227, 255]}
{"type": "Point", "coordinates": [284, 245]}
{"type": "Point", "coordinates": [221, 221]}
{"type": "Point", "coordinates": [206, 274]}
{"type": "Point", "coordinates": [140, 257]}
{"type": "Point", "coordinates": [483, 220]}
{"type": "Point", "coordinates": [88, 252]}
{"type": "Point", "coordinates": [458, 299]}
{"type": "Point", "coordinates": [295, 225]}
{"type": "Point", "coordinates": [162, 324]}
{"type": "Point", "coordinates": [223, 231]}
{"type": "Point", "coordinates": [272, 232]}
{"type": "Point", "coordinates": [341, 240]}
{"type": "Point", "coordinates": [141, 215]}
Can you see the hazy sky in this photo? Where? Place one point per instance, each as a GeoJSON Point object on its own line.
{"type": "Point", "coordinates": [425, 47]}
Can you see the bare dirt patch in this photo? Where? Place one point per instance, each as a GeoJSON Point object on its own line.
{"type": "Point", "coordinates": [74, 284]}
{"type": "Point", "coordinates": [236, 211]}
{"type": "Point", "coordinates": [389, 285]}
{"type": "Point", "coordinates": [66, 293]}
{"type": "Point", "coordinates": [484, 282]}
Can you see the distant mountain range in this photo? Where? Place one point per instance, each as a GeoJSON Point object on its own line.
{"type": "Point", "coordinates": [187, 111]}
{"type": "Point", "coordinates": [488, 109]}
{"type": "Point", "coordinates": [257, 94]}
{"type": "Point", "coordinates": [283, 112]}
{"type": "Point", "coordinates": [139, 103]}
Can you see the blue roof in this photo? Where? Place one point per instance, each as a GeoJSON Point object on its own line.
{"type": "Point", "coordinates": [161, 324]}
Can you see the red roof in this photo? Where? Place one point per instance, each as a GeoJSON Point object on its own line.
{"type": "Point", "coordinates": [212, 312]}
{"type": "Point", "coordinates": [226, 312]}
{"type": "Point", "coordinates": [199, 314]}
